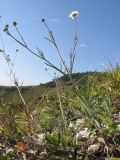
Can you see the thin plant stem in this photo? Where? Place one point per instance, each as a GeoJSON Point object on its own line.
{"type": "Point", "coordinates": [20, 36]}
{"type": "Point", "coordinates": [54, 42]}
{"type": "Point", "coordinates": [72, 58]}
{"type": "Point", "coordinates": [29, 116]}
{"type": "Point", "coordinates": [59, 97]}
{"type": "Point", "coordinates": [63, 62]}
{"type": "Point", "coordinates": [60, 102]}
{"type": "Point", "coordinates": [37, 55]}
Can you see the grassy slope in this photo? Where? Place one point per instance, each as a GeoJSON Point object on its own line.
{"type": "Point", "coordinates": [30, 92]}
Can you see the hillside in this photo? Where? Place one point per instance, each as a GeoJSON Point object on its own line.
{"type": "Point", "coordinates": [9, 93]}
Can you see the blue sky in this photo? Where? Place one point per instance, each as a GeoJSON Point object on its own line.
{"type": "Point", "coordinates": [98, 29]}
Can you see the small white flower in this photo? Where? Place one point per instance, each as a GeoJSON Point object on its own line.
{"type": "Point", "coordinates": [73, 14]}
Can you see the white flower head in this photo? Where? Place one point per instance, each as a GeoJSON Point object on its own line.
{"type": "Point", "coordinates": [73, 14]}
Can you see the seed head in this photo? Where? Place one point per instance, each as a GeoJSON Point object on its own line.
{"type": "Point", "coordinates": [43, 20]}
{"type": "Point", "coordinates": [14, 23]}
{"type": "Point", "coordinates": [6, 28]}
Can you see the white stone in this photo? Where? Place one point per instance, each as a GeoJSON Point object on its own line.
{"type": "Point", "coordinates": [83, 133]}
{"type": "Point", "coordinates": [94, 147]}
{"type": "Point", "coordinates": [40, 137]}
{"type": "Point", "coordinates": [9, 150]}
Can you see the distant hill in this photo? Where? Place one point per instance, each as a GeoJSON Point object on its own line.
{"type": "Point", "coordinates": [32, 92]}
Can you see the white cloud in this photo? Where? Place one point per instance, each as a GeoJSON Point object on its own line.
{"type": "Point", "coordinates": [35, 18]}
{"type": "Point", "coordinates": [55, 20]}
{"type": "Point", "coordinates": [83, 45]}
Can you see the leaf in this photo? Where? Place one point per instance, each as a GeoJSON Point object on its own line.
{"type": "Point", "coordinates": [113, 159]}
{"type": "Point", "coordinates": [21, 146]}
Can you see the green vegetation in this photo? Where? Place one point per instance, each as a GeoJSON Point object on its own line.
{"type": "Point", "coordinates": [97, 102]}
{"type": "Point", "coordinates": [75, 117]}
